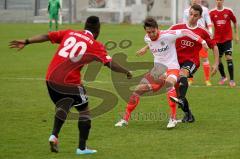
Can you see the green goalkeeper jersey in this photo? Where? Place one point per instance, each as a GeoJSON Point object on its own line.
{"type": "Point", "coordinates": [53, 7]}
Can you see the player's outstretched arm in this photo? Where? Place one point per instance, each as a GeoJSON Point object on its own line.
{"type": "Point", "coordinates": [142, 51]}
{"type": "Point", "coordinates": [216, 60]}
{"type": "Point", "coordinates": [20, 44]}
{"type": "Point", "coordinates": [118, 68]}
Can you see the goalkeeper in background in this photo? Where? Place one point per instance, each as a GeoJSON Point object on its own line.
{"type": "Point", "coordinates": [53, 10]}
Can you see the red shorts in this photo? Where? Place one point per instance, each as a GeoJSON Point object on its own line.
{"type": "Point", "coordinates": [203, 53]}
{"type": "Point", "coordinates": [157, 84]}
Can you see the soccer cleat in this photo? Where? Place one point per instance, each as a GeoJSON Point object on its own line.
{"type": "Point", "coordinates": [85, 152]}
{"type": "Point", "coordinates": [53, 141]}
{"type": "Point", "coordinates": [188, 117]}
{"type": "Point", "coordinates": [121, 123]}
{"type": "Point", "coordinates": [222, 80]}
{"type": "Point", "coordinates": [232, 83]}
{"type": "Point", "coordinates": [172, 123]}
{"type": "Point", "coordinates": [208, 83]}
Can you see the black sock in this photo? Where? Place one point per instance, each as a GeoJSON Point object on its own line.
{"type": "Point", "coordinates": [62, 109]}
{"type": "Point", "coordinates": [185, 107]}
{"type": "Point", "coordinates": [84, 126]}
{"type": "Point", "coordinates": [230, 68]}
{"type": "Point", "coordinates": [57, 126]}
{"type": "Point", "coordinates": [221, 69]}
{"type": "Point", "coordinates": [183, 86]}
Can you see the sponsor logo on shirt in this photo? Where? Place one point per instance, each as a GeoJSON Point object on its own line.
{"type": "Point", "coordinates": [221, 22]}
{"type": "Point", "coordinates": [187, 43]}
{"type": "Point", "coordinates": [160, 49]}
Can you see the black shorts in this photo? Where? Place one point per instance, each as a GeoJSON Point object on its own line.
{"type": "Point", "coordinates": [76, 93]}
{"type": "Point", "coordinates": [225, 48]}
{"type": "Point", "coordinates": [190, 66]}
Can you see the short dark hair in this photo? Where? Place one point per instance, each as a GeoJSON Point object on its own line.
{"type": "Point", "coordinates": [93, 25]}
{"type": "Point", "coordinates": [150, 22]}
{"type": "Point", "coordinates": [197, 7]}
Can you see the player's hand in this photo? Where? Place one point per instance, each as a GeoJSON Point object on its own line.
{"type": "Point", "coordinates": [205, 46]}
{"type": "Point", "coordinates": [214, 69]}
{"type": "Point", "coordinates": [237, 40]}
{"type": "Point", "coordinates": [19, 44]}
{"type": "Point", "coordinates": [142, 51]}
{"type": "Point", "coordinates": [129, 74]}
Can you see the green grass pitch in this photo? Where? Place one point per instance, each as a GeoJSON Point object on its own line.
{"type": "Point", "coordinates": [26, 111]}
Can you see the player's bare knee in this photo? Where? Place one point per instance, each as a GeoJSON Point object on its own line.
{"type": "Point", "coordinates": [228, 56]}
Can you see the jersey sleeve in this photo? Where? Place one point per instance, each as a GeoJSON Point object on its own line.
{"type": "Point", "coordinates": [210, 42]}
{"type": "Point", "coordinates": [101, 54]}
{"type": "Point", "coordinates": [233, 17]}
{"type": "Point", "coordinates": [57, 36]}
{"type": "Point", "coordinates": [190, 34]}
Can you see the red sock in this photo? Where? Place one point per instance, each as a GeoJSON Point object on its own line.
{"type": "Point", "coordinates": [172, 92]}
{"type": "Point", "coordinates": [132, 104]}
{"type": "Point", "coordinates": [206, 69]}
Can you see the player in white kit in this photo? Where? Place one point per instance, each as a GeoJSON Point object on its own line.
{"type": "Point", "coordinates": [166, 67]}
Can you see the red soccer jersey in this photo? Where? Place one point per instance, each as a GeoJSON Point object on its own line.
{"type": "Point", "coordinates": [76, 49]}
{"type": "Point", "coordinates": [222, 24]}
{"type": "Point", "coordinates": [188, 49]}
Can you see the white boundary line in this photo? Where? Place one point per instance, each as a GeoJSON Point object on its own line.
{"type": "Point", "coordinates": [85, 82]}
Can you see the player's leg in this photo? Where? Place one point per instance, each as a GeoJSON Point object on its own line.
{"type": "Point", "coordinates": [133, 102]}
{"type": "Point", "coordinates": [56, 22]}
{"type": "Point", "coordinates": [84, 121]}
{"type": "Point", "coordinates": [171, 80]}
{"type": "Point", "coordinates": [206, 66]}
{"type": "Point", "coordinates": [63, 105]}
{"type": "Point", "coordinates": [172, 76]}
{"type": "Point", "coordinates": [50, 22]}
{"type": "Point", "coordinates": [228, 55]}
{"type": "Point", "coordinates": [188, 68]}
{"type": "Point", "coordinates": [84, 126]}
{"type": "Point", "coordinates": [230, 69]}
{"type": "Point", "coordinates": [147, 84]}
{"type": "Point", "coordinates": [221, 66]}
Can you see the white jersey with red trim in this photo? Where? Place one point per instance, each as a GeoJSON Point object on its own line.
{"type": "Point", "coordinates": [164, 49]}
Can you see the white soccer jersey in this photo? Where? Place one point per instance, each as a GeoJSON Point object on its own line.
{"type": "Point", "coordinates": [164, 49]}
{"type": "Point", "coordinates": [205, 21]}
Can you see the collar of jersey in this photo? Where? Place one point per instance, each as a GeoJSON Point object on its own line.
{"type": "Point", "coordinates": [88, 32]}
{"type": "Point", "coordinates": [191, 27]}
